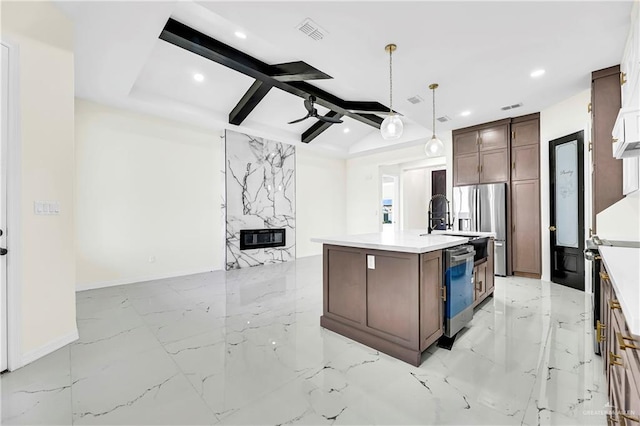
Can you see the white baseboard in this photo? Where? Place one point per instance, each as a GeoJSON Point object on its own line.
{"type": "Point", "coordinates": [123, 281]}
{"type": "Point", "coordinates": [50, 347]}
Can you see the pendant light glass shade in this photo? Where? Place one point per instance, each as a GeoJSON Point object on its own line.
{"type": "Point", "coordinates": [434, 146]}
{"type": "Point", "coordinates": [392, 127]}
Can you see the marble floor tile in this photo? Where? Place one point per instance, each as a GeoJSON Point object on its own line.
{"type": "Point", "coordinates": [246, 347]}
{"type": "Point", "coordinates": [146, 388]}
{"type": "Point", "coordinates": [39, 393]}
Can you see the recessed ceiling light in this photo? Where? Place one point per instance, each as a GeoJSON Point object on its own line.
{"type": "Point", "coordinates": [537, 73]}
{"type": "Point", "coordinates": [198, 77]}
{"type": "Point", "coordinates": [465, 113]}
{"type": "Point", "coordinates": [346, 130]}
{"type": "Point", "coordinates": [240, 34]}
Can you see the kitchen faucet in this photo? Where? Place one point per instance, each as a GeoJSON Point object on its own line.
{"type": "Point", "coordinates": [438, 220]}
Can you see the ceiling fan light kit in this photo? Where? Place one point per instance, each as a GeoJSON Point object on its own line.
{"type": "Point", "coordinates": [434, 146]}
{"type": "Point", "coordinates": [392, 126]}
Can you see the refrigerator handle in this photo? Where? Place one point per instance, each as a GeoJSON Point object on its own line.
{"type": "Point", "coordinates": [478, 209]}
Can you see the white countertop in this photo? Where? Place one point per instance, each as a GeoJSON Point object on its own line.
{"type": "Point", "coordinates": [623, 266]}
{"type": "Point", "coordinates": [465, 233]}
{"type": "Point", "coordinates": [403, 241]}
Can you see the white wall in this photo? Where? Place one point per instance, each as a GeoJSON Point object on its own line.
{"type": "Point", "coordinates": [45, 279]}
{"type": "Point", "coordinates": [562, 119]}
{"type": "Point", "coordinates": [148, 197]}
{"type": "Point", "coordinates": [321, 199]}
{"type": "Point", "coordinates": [414, 194]}
{"type": "Point", "coordinates": [387, 191]}
{"type": "Point", "coordinates": [364, 181]}
{"type": "Point", "coordinates": [621, 221]}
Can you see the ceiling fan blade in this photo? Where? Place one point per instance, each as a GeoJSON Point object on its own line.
{"type": "Point", "coordinates": [298, 120]}
{"type": "Point", "coordinates": [329, 119]}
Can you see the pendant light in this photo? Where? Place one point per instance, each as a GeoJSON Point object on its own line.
{"type": "Point", "coordinates": [392, 126]}
{"type": "Point", "coordinates": [434, 146]}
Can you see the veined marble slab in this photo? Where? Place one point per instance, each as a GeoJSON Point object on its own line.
{"type": "Point", "coordinates": [260, 194]}
{"type": "Point", "coordinates": [403, 241]}
{"type": "Point", "coordinates": [623, 265]}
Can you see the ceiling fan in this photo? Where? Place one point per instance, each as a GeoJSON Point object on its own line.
{"type": "Point", "coordinates": [313, 113]}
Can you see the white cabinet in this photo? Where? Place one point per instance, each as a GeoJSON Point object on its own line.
{"type": "Point", "coordinates": [630, 65]}
{"type": "Point", "coordinates": [626, 131]}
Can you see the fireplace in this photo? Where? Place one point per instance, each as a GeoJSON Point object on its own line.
{"type": "Point", "coordinates": [262, 238]}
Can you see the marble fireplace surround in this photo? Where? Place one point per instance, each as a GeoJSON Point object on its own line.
{"type": "Point", "coordinates": [260, 194]}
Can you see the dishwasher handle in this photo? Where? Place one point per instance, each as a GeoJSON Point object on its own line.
{"type": "Point", "coordinates": [462, 257]}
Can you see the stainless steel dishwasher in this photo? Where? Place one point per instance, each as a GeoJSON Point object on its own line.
{"type": "Point", "coordinates": [458, 305]}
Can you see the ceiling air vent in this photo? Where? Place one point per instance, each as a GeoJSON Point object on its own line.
{"type": "Point", "coordinates": [312, 30]}
{"type": "Point", "coordinates": [415, 99]}
{"type": "Point", "coordinates": [444, 118]}
{"type": "Point", "coordinates": [508, 107]}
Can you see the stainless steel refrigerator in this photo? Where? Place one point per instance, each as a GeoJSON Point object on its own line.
{"type": "Point", "coordinates": [483, 208]}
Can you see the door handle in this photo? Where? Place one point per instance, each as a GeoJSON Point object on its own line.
{"type": "Point", "coordinates": [552, 228]}
{"type": "Point", "coordinates": [3, 251]}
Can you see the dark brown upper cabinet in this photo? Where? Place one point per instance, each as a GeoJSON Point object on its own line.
{"type": "Point", "coordinates": [494, 166]}
{"type": "Point", "coordinates": [525, 162]}
{"type": "Point", "coordinates": [525, 132]}
{"type": "Point", "coordinates": [607, 170]}
{"type": "Point", "coordinates": [494, 138]}
{"type": "Point", "coordinates": [481, 154]}
{"type": "Point", "coordinates": [525, 148]}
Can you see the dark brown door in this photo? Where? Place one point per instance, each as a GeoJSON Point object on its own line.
{"type": "Point", "coordinates": [566, 194]}
{"type": "Point", "coordinates": [439, 204]}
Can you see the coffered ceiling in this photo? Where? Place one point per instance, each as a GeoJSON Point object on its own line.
{"type": "Point", "coordinates": [481, 54]}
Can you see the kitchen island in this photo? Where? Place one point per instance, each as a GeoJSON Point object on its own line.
{"type": "Point", "coordinates": [385, 290]}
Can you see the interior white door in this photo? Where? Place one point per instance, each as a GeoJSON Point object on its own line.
{"type": "Point", "coordinates": [4, 136]}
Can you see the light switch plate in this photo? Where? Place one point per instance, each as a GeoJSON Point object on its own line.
{"type": "Point", "coordinates": [371, 261]}
{"type": "Point", "coordinates": [47, 208]}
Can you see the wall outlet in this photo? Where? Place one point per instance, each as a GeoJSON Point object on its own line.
{"type": "Point", "coordinates": [371, 261]}
{"type": "Point", "coordinates": [46, 207]}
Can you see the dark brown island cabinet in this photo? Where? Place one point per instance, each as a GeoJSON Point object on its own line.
{"type": "Point", "coordinates": [484, 276]}
{"type": "Point", "coordinates": [620, 350]}
{"type": "Point", "coordinates": [396, 308]}
{"type": "Point", "coordinates": [507, 151]}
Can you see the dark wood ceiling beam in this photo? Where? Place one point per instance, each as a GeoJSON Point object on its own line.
{"type": "Point", "coordinates": [359, 106]}
{"type": "Point", "coordinates": [249, 101]}
{"type": "Point", "coordinates": [196, 42]}
{"type": "Point", "coordinates": [201, 44]}
{"type": "Point", "coordinates": [297, 71]}
{"type": "Point", "coordinates": [320, 126]}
